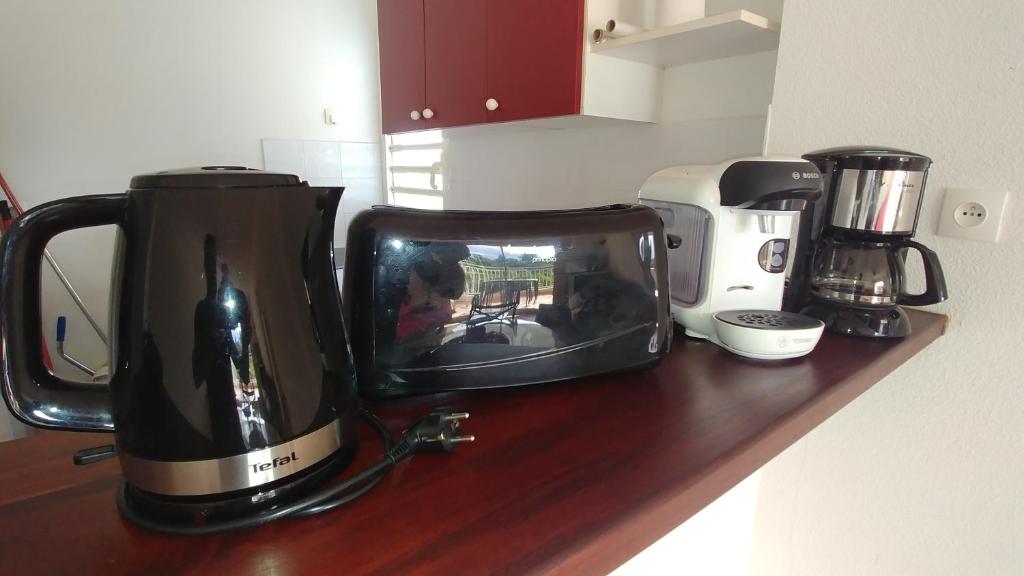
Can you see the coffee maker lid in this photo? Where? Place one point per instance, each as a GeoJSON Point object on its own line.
{"type": "Point", "coordinates": [214, 177]}
{"type": "Point", "coordinates": [871, 158]}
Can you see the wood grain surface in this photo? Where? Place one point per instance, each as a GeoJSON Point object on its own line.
{"type": "Point", "coordinates": [570, 478]}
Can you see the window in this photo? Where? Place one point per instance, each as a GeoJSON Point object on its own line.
{"type": "Point", "coordinates": [415, 169]}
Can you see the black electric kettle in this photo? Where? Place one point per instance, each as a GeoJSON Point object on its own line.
{"type": "Point", "coordinates": [231, 380]}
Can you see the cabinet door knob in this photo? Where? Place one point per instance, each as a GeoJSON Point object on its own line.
{"type": "Point", "coordinates": [491, 104]}
{"type": "Point", "coordinates": [415, 114]}
{"type": "Point", "coordinates": [428, 113]}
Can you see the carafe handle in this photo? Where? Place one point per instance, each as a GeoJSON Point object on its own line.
{"type": "Point", "coordinates": [935, 280]}
{"type": "Point", "coordinates": [33, 394]}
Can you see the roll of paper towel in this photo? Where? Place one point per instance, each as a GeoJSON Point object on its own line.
{"type": "Point", "coordinates": [670, 12]}
{"type": "Point", "coordinates": [618, 28]}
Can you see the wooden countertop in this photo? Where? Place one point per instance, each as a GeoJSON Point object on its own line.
{"type": "Point", "coordinates": [573, 478]}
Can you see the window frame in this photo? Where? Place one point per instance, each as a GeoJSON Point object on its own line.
{"type": "Point", "coordinates": [432, 171]}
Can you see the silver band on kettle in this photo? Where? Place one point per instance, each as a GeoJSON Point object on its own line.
{"type": "Point", "coordinates": [215, 476]}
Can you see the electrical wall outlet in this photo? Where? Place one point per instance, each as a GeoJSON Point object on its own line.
{"type": "Point", "coordinates": [972, 214]}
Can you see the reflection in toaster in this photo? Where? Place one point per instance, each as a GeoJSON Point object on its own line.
{"type": "Point", "coordinates": [449, 303]}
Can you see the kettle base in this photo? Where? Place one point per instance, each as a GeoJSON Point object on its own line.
{"type": "Point", "coordinates": [202, 509]}
{"type": "Point", "coordinates": [883, 322]}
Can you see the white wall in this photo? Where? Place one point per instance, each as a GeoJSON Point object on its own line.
{"type": "Point", "coordinates": [737, 86]}
{"type": "Point", "coordinates": [716, 541]}
{"type": "Point", "coordinates": [924, 474]}
{"type": "Point", "coordinates": [710, 111]}
{"type": "Point", "coordinates": [95, 92]}
{"type": "Point", "coordinates": [509, 168]}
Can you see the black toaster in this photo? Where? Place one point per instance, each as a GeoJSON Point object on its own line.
{"type": "Point", "coordinates": [450, 300]}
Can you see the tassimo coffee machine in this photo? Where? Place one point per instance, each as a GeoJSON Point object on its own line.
{"type": "Point", "coordinates": [735, 222]}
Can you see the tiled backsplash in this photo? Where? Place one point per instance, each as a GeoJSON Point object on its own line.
{"type": "Point", "coordinates": [354, 165]}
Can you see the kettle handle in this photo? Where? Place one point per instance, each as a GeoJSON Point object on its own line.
{"type": "Point", "coordinates": [935, 280]}
{"type": "Point", "coordinates": [33, 394]}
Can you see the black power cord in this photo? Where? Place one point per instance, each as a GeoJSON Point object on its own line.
{"type": "Point", "coordinates": [437, 431]}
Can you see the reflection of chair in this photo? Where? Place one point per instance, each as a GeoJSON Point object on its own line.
{"type": "Point", "coordinates": [506, 287]}
{"type": "Point", "coordinates": [482, 310]}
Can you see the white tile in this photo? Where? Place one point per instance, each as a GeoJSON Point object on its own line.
{"type": "Point", "coordinates": [496, 195]}
{"type": "Point", "coordinates": [360, 160]}
{"type": "Point", "coordinates": [284, 156]}
{"type": "Point", "coordinates": [353, 206]}
{"type": "Point", "coordinates": [364, 190]}
{"type": "Point", "coordinates": [343, 221]}
{"type": "Point", "coordinates": [324, 182]}
{"type": "Point", "coordinates": [341, 230]}
{"type": "Point", "coordinates": [322, 159]}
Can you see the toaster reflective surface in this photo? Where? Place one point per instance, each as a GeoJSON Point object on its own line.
{"type": "Point", "coordinates": [499, 310]}
{"type": "Point", "coordinates": [463, 302]}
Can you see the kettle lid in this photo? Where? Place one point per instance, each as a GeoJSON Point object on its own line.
{"type": "Point", "coordinates": [214, 177]}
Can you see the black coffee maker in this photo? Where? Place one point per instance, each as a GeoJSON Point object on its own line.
{"type": "Point", "coordinates": [231, 383]}
{"type": "Point", "coordinates": [852, 274]}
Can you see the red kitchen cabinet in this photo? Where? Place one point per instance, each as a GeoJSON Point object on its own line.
{"type": "Point", "coordinates": [456, 62]}
{"type": "Point", "coordinates": [462, 62]}
{"type": "Point", "coordinates": [534, 58]}
{"type": "Point", "coordinates": [402, 76]}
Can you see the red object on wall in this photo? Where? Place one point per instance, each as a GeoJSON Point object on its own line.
{"type": "Point", "coordinates": [6, 219]}
{"type": "Point", "coordinates": [456, 61]}
{"type": "Point", "coordinates": [402, 76]}
{"type": "Point", "coordinates": [534, 58]}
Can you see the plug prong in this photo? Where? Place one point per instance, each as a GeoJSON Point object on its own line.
{"type": "Point", "coordinates": [455, 416]}
{"type": "Point", "coordinates": [466, 438]}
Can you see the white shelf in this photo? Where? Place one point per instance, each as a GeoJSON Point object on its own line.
{"type": "Point", "coordinates": [720, 36]}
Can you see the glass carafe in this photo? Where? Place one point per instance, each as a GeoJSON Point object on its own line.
{"type": "Point", "coordinates": [871, 273]}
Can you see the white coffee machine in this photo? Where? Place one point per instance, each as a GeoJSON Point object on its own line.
{"type": "Point", "coordinates": [735, 222]}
